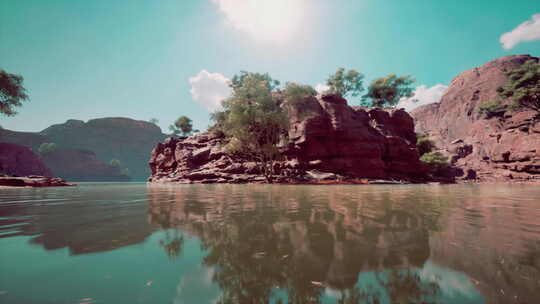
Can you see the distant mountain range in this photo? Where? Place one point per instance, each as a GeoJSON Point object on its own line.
{"type": "Point", "coordinates": [84, 150]}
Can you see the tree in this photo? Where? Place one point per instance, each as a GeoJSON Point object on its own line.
{"type": "Point", "coordinates": [345, 83]}
{"type": "Point", "coordinates": [154, 121]}
{"type": "Point", "coordinates": [12, 92]}
{"type": "Point", "coordinates": [252, 120]}
{"type": "Point", "coordinates": [424, 144]}
{"type": "Point", "coordinates": [387, 91]}
{"type": "Point", "coordinates": [183, 125]}
{"type": "Point", "coordinates": [45, 148]}
{"type": "Point", "coordinates": [523, 86]}
{"type": "Point", "coordinates": [295, 92]}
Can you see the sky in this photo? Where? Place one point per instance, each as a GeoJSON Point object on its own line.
{"type": "Point", "coordinates": [161, 59]}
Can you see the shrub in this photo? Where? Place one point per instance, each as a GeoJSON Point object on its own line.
{"type": "Point", "coordinates": [436, 160]}
{"type": "Point", "coordinates": [387, 91]}
{"type": "Point", "coordinates": [523, 86]}
{"type": "Point", "coordinates": [491, 108]}
{"type": "Point", "coordinates": [45, 148]}
{"type": "Point", "coordinates": [424, 144]}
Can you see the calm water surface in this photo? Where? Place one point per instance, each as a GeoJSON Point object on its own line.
{"type": "Point", "coordinates": [136, 243]}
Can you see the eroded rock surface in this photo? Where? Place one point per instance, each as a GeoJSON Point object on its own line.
{"type": "Point", "coordinates": [503, 147]}
{"type": "Point", "coordinates": [327, 139]}
{"type": "Point", "coordinates": [21, 161]}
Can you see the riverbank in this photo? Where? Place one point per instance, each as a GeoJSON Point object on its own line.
{"type": "Point", "coordinates": [32, 181]}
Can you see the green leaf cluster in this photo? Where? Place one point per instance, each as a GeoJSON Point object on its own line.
{"type": "Point", "coordinates": [253, 121]}
{"type": "Point", "coordinates": [12, 92]}
{"type": "Point", "coordinates": [523, 86]}
{"type": "Point", "coordinates": [387, 91]}
{"type": "Point", "coordinates": [182, 126]}
{"type": "Point", "coordinates": [345, 83]}
{"type": "Point", "coordinates": [45, 148]}
{"type": "Point", "coordinates": [435, 159]}
{"type": "Point", "coordinates": [491, 108]}
{"type": "Point", "coordinates": [424, 144]}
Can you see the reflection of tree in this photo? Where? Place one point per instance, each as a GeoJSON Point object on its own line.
{"type": "Point", "coordinates": [259, 242]}
{"type": "Point", "coordinates": [172, 245]}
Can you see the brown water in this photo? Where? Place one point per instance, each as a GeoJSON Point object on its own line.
{"type": "Point", "coordinates": [134, 243]}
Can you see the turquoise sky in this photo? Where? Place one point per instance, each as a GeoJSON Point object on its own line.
{"type": "Point", "coordinates": [133, 58]}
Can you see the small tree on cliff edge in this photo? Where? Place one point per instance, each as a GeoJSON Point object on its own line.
{"type": "Point", "coordinates": [345, 83]}
{"type": "Point", "coordinates": [12, 92]}
{"type": "Point", "coordinates": [183, 125]}
{"type": "Point", "coordinates": [387, 91]}
{"type": "Point", "coordinates": [253, 121]}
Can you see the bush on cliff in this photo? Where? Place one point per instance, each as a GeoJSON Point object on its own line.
{"type": "Point", "coordinates": [491, 108]}
{"type": "Point", "coordinates": [523, 86]}
{"type": "Point", "coordinates": [387, 91]}
{"type": "Point", "coordinates": [45, 148]}
{"type": "Point", "coordinates": [253, 121]}
{"type": "Point", "coordinates": [424, 144]}
{"type": "Point", "coordinates": [437, 161]}
{"type": "Point", "coordinates": [182, 126]}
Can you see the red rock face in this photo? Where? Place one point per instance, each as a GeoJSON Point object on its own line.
{"type": "Point", "coordinates": [499, 148]}
{"type": "Point", "coordinates": [325, 136]}
{"type": "Point", "coordinates": [21, 161]}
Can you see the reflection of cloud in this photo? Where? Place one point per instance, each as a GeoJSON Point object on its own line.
{"type": "Point", "coordinates": [526, 31]}
{"type": "Point", "coordinates": [422, 96]}
{"type": "Point", "coordinates": [209, 89]}
{"type": "Point", "coordinates": [452, 283]}
{"type": "Point", "coordinates": [197, 286]}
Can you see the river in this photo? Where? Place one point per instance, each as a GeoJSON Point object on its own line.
{"type": "Point", "coordinates": [139, 243]}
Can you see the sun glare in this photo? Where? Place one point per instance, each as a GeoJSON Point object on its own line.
{"type": "Point", "coordinates": [266, 20]}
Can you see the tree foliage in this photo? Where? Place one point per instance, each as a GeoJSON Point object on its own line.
{"type": "Point", "coordinates": [345, 83]}
{"type": "Point", "coordinates": [296, 93]}
{"type": "Point", "coordinates": [153, 121]}
{"type": "Point", "coordinates": [437, 161]}
{"type": "Point", "coordinates": [182, 126]}
{"type": "Point", "coordinates": [253, 121]}
{"type": "Point", "coordinates": [424, 144]}
{"type": "Point", "coordinates": [45, 148]}
{"type": "Point", "coordinates": [387, 91]}
{"type": "Point", "coordinates": [523, 86]}
{"type": "Point", "coordinates": [12, 92]}
{"type": "Point", "coordinates": [491, 108]}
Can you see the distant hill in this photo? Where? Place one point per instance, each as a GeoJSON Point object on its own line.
{"type": "Point", "coordinates": [124, 139]}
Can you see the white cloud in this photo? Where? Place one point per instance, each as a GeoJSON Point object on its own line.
{"type": "Point", "coordinates": [270, 20]}
{"type": "Point", "coordinates": [209, 89]}
{"type": "Point", "coordinates": [423, 96]}
{"type": "Point", "coordinates": [527, 31]}
{"type": "Point", "coordinates": [321, 88]}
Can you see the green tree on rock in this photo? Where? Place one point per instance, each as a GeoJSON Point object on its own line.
{"type": "Point", "coordinates": [523, 86]}
{"type": "Point", "coordinates": [45, 148]}
{"type": "Point", "coordinates": [182, 126]}
{"type": "Point", "coordinates": [387, 91]}
{"type": "Point", "coordinates": [12, 92]}
{"type": "Point", "coordinates": [253, 121]}
{"type": "Point", "coordinates": [345, 83]}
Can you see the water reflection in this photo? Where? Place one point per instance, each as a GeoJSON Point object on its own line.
{"type": "Point", "coordinates": [351, 244]}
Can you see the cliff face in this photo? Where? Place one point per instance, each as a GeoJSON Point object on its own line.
{"type": "Point", "coordinates": [21, 161]}
{"type": "Point", "coordinates": [81, 165]}
{"type": "Point", "coordinates": [127, 140]}
{"type": "Point", "coordinates": [327, 139]}
{"type": "Point", "coordinates": [499, 148]}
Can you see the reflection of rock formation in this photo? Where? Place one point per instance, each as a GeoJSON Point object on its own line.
{"type": "Point", "coordinates": [85, 220]}
{"type": "Point", "coordinates": [260, 237]}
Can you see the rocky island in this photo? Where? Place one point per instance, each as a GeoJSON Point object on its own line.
{"type": "Point", "coordinates": [328, 140]}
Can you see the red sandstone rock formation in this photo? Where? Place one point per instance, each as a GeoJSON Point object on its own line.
{"type": "Point", "coordinates": [327, 140]}
{"type": "Point", "coordinates": [21, 161]}
{"type": "Point", "coordinates": [499, 148]}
